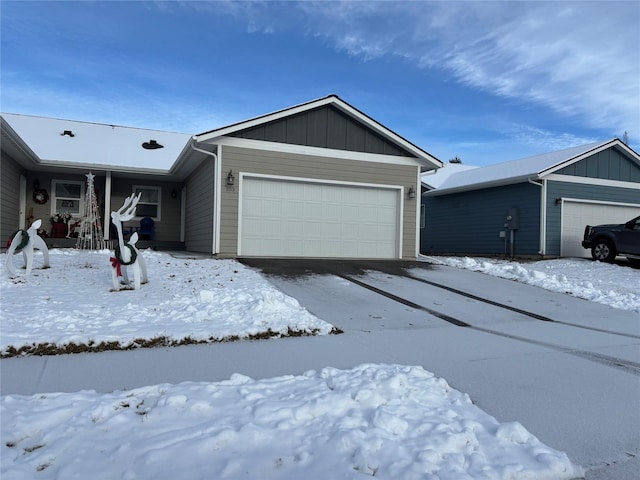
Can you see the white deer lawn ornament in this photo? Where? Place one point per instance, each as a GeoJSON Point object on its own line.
{"type": "Point", "coordinates": [26, 241]}
{"type": "Point", "coordinates": [126, 254]}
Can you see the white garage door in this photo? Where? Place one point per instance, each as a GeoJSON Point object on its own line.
{"type": "Point", "coordinates": [305, 219]}
{"type": "Point", "coordinates": [576, 214]}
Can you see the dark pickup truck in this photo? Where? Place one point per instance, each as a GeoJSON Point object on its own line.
{"type": "Point", "coordinates": [608, 241]}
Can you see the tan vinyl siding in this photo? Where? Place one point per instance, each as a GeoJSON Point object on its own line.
{"type": "Point", "coordinates": [199, 209]}
{"type": "Point", "coordinates": [245, 160]}
{"type": "Point", "coordinates": [10, 173]}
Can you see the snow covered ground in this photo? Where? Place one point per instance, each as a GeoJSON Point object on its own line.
{"type": "Point", "coordinates": [609, 284]}
{"type": "Point", "coordinates": [185, 300]}
{"type": "Point", "coordinates": [374, 420]}
{"type": "Point", "coordinates": [388, 421]}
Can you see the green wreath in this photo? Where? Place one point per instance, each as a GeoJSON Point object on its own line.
{"type": "Point", "coordinates": [118, 255]}
{"type": "Point", "coordinates": [23, 241]}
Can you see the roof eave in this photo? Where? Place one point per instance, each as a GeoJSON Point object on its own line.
{"type": "Point", "coordinates": [100, 167]}
{"type": "Point", "coordinates": [27, 156]}
{"type": "Point", "coordinates": [482, 185]}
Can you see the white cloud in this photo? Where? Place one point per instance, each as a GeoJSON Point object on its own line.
{"type": "Point", "coordinates": [577, 58]}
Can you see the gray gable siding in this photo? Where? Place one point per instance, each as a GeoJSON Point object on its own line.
{"type": "Point", "coordinates": [323, 127]}
{"type": "Point", "coordinates": [9, 196]}
{"type": "Point", "coordinates": [470, 222]}
{"type": "Point", "coordinates": [199, 208]}
{"type": "Point", "coordinates": [610, 164]}
{"type": "Point", "coordinates": [582, 191]}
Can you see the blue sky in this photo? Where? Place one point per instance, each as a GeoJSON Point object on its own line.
{"type": "Point", "coordinates": [486, 81]}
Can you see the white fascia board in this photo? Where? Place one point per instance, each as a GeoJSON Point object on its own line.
{"type": "Point", "coordinates": [103, 168]}
{"type": "Point", "coordinates": [18, 143]}
{"type": "Point", "coordinates": [429, 161]}
{"type": "Point", "coordinates": [316, 151]}
{"type": "Point", "coordinates": [213, 134]}
{"type": "Point", "coordinates": [480, 186]}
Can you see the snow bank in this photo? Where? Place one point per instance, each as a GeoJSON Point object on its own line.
{"type": "Point", "coordinates": [609, 284]}
{"type": "Point", "coordinates": [386, 421]}
{"type": "Point", "coordinates": [202, 300]}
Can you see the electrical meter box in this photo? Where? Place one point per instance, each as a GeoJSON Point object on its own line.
{"type": "Point", "coordinates": [513, 219]}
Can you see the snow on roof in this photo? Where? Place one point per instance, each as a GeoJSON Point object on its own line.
{"type": "Point", "coordinates": [97, 144]}
{"type": "Point", "coordinates": [435, 179]}
{"type": "Point", "coordinates": [514, 170]}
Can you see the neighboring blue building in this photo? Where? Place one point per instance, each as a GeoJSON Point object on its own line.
{"type": "Point", "coordinates": [536, 206]}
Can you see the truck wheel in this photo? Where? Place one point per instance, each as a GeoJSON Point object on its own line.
{"type": "Point", "coordinates": [603, 251]}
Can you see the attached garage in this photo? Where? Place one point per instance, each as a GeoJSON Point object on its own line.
{"type": "Point", "coordinates": [577, 213]}
{"type": "Point", "coordinates": [309, 218]}
{"type": "Point", "coordinates": [319, 180]}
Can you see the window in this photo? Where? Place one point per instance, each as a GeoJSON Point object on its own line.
{"type": "Point", "coordinates": [68, 197]}
{"type": "Point", "coordinates": [149, 204]}
{"type": "Point", "coordinates": [422, 216]}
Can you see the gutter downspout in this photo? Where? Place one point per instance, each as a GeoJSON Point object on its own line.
{"type": "Point", "coordinates": [106, 228]}
{"type": "Point", "coordinates": [543, 214]}
{"type": "Point", "coordinates": [215, 247]}
{"type": "Point", "coordinates": [418, 200]}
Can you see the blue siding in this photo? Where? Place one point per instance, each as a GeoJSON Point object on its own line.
{"type": "Point", "coordinates": [581, 191]}
{"type": "Point", "coordinates": [470, 222]}
{"type": "Point", "coordinates": [610, 164]}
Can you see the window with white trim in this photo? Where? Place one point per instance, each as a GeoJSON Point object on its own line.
{"type": "Point", "coordinates": [149, 204]}
{"type": "Point", "coordinates": [68, 197]}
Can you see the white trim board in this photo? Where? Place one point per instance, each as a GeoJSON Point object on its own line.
{"type": "Point", "coordinates": [316, 151]}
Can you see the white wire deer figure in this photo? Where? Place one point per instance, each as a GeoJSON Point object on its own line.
{"type": "Point", "coordinates": [126, 254]}
{"type": "Point", "coordinates": [26, 241]}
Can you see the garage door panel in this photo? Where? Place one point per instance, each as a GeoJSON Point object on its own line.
{"type": "Point", "coordinates": [291, 218]}
{"type": "Point", "coordinates": [575, 215]}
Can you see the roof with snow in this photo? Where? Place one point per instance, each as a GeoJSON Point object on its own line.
{"type": "Point", "coordinates": [529, 168]}
{"type": "Point", "coordinates": [53, 142]}
{"type": "Point", "coordinates": [434, 179]}
{"type": "Point", "coordinates": [83, 144]}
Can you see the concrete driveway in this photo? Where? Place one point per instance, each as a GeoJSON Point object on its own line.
{"type": "Point", "coordinates": [567, 369]}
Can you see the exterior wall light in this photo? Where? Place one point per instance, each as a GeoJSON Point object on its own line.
{"type": "Point", "coordinates": [230, 178]}
{"type": "Point", "coordinates": [412, 192]}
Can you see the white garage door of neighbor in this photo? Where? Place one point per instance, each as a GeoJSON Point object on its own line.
{"type": "Point", "coordinates": [306, 219]}
{"type": "Point", "coordinates": [576, 215]}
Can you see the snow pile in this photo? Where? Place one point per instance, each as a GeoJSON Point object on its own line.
{"type": "Point", "coordinates": [386, 421]}
{"type": "Point", "coordinates": [200, 300]}
{"type": "Point", "coordinates": [613, 285]}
